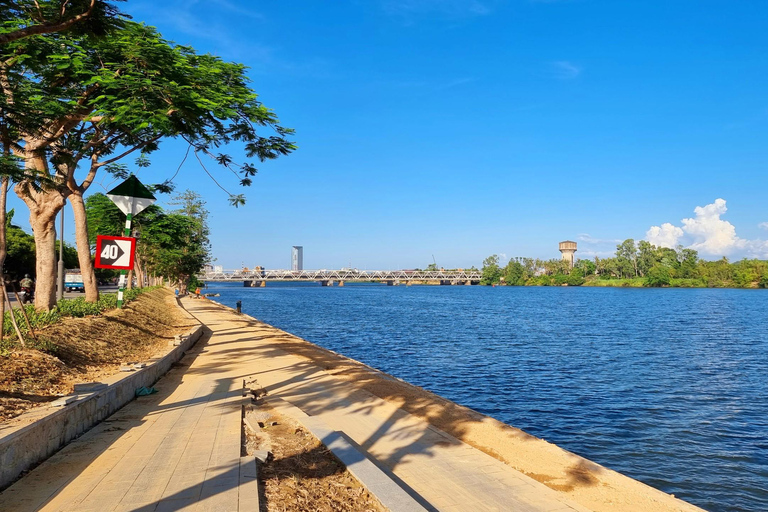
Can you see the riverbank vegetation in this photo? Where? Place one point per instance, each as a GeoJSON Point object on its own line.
{"type": "Point", "coordinates": [640, 264]}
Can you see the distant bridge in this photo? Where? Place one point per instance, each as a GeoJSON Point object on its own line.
{"type": "Point", "coordinates": [259, 277]}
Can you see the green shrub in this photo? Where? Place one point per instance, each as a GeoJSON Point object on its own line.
{"type": "Point", "coordinates": [658, 275]}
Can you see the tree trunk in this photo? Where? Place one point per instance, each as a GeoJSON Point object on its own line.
{"type": "Point", "coordinates": [3, 249]}
{"type": "Point", "coordinates": [43, 207]}
{"type": "Point", "coordinates": [139, 272]}
{"type": "Point", "coordinates": [90, 283]}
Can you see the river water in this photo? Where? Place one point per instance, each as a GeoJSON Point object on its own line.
{"type": "Point", "coordinates": [668, 386]}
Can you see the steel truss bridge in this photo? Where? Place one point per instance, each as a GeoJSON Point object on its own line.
{"type": "Point", "coordinates": [328, 277]}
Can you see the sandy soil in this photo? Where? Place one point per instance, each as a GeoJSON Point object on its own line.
{"type": "Point", "coordinates": [302, 475]}
{"type": "Point", "coordinates": [87, 349]}
{"type": "Point", "coordinates": [583, 481]}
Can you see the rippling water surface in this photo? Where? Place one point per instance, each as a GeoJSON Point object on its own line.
{"type": "Point", "coordinates": [669, 386]}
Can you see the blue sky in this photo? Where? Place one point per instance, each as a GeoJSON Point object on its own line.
{"type": "Point", "coordinates": [463, 128]}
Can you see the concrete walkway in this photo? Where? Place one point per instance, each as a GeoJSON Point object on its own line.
{"type": "Point", "coordinates": [179, 449]}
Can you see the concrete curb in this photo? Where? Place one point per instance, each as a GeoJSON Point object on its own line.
{"type": "Point", "coordinates": [378, 483]}
{"type": "Point", "coordinates": [48, 429]}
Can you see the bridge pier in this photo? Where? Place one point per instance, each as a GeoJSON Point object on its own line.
{"type": "Point", "coordinates": [329, 282]}
{"type": "Point", "coordinates": [341, 283]}
{"type": "Point", "coordinates": [253, 283]}
{"type": "Point", "coordinates": [393, 282]}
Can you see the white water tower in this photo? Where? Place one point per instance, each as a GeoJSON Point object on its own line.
{"type": "Point", "coordinates": [568, 249]}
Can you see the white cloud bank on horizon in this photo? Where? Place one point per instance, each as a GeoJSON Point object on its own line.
{"type": "Point", "coordinates": [708, 234]}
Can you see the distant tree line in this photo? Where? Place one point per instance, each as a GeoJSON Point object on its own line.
{"type": "Point", "coordinates": [635, 264]}
{"type": "Point", "coordinates": [171, 245]}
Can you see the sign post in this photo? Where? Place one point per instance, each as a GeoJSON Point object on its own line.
{"type": "Point", "coordinates": [131, 197]}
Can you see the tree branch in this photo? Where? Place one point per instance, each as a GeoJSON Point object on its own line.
{"type": "Point", "coordinates": [126, 153]}
{"type": "Point", "coordinates": [46, 27]}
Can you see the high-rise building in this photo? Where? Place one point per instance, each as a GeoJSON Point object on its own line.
{"type": "Point", "coordinates": [297, 257]}
{"type": "Point", "coordinates": [568, 249]}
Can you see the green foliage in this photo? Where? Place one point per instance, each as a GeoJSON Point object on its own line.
{"type": "Point", "coordinates": [636, 282]}
{"type": "Point", "coordinates": [658, 275]}
{"type": "Point", "coordinates": [587, 267]}
{"type": "Point", "coordinates": [491, 271]}
{"type": "Point", "coordinates": [576, 278]}
{"type": "Point", "coordinates": [514, 273]}
{"type": "Point", "coordinates": [26, 18]}
{"type": "Point", "coordinates": [194, 282]}
{"type": "Point", "coordinates": [542, 280]}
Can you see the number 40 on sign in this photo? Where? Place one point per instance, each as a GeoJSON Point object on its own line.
{"type": "Point", "coordinates": [115, 252]}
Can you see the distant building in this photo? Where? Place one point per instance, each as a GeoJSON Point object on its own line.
{"type": "Point", "coordinates": [297, 257]}
{"type": "Point", "coordinates": [568, 249]}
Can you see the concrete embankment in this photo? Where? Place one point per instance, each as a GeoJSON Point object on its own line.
{"type": "Point", "coordinates": [181, 446]}
{"type": "Point", "coordinates": [345, 392]}
{"type": "Point", "coordinates": [36, 435]}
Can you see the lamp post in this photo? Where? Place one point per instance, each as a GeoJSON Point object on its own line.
{"type": "Point", "coordinates": [60, 276]}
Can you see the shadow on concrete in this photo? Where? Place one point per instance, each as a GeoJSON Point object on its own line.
{"type": "Point", "coordinates": [312, 378]}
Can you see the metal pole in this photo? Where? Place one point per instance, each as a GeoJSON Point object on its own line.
{"type": "Point", "coordinates": [124, 273]}
{"type": "Point", "coordinates": [60, 277]}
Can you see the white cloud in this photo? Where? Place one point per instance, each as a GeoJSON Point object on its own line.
{"type": "Point", "coordinates": [710, 233]}
{"type": "Point", "coordinates": [565, 70]}
{"type": "Point", "coordinates": [665, 235]}
{"type": "Point", "coordinates": [707, 233]}
{"type": "Point", "coordinates": [763, 225]}
{"type": "Point", "coordinates": [589, 239]}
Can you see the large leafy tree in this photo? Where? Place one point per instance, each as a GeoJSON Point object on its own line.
{"type": "Point", "coordinates": [491, 272]}
{"type": "Point", "coordinates": [107, 98]}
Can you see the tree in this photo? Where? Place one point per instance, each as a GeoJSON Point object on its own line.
{"type": "Point", "coordinates": [173, 249]}
{"type": "Point", "coordinates": [587, 267]}
{"type": "Point", "coordinates": [170, 245]}
{"type": "Point", "coordinates": [658, 275]}
{"type": "Point", "coordinates": [576, 277]}
{"type": "Point", "coordinates": [626, 256]}
{"type": "Point", "coordinates": [491, 270]}
{"type": "Point", "coordinates": [104, 99]}
{"type": "Point", "coordinates": [27, 18]}
{"type": "Point", "coordinates": [514, 273]}
{"type": "Point", "coordinates": [688, 261]}
{"type": "Point", "coordinates": [104, 218]}
{"type": "Point", "coordinates": [646, 256]}
{"type": "Point", "coordinates": [24, 19]}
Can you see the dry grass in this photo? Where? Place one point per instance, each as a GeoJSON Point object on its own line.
{"type": "Point", "coordinates": [303, 475]}
{"type": "Point", "coordinates": [87, 349]}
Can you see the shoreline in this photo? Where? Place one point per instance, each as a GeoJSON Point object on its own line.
{"type": "Point", "coordinates": [580, 480]}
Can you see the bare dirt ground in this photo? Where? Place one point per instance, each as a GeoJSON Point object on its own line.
{"type": "Point", "coordinates": [85, 350]}
{"type": "Point", "coordinates": [302, 475]}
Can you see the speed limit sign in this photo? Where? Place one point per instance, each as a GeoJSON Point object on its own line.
{"type": "Point", "coordinates": [115, 252]}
